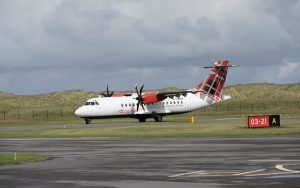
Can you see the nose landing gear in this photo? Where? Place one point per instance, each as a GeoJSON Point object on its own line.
{"type": "Point", "coordinates": [87, 121]}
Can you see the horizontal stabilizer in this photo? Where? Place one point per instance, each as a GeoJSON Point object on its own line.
{"type": "Point", "coordinates": [226, 97]}
{"type": "Point", "coordinates": [221, 66]}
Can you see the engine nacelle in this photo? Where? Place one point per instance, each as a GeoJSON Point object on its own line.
{"type": "Point", "coordinates": [152, 98]}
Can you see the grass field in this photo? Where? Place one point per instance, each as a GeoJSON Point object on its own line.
{"type": "Point", "coordinates": [203, 128]}
{"type": "Point", "coordinates": [9, 158]}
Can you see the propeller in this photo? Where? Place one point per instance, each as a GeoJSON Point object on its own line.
{"type": "Point", "coordinates": [139, 97]}
{"type": "Point", "coordinates": [107, 94]}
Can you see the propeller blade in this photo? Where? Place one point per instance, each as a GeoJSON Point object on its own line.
{"type": "Point", "coordinates": [136, 89]}
{"type": "Point", "coordinates": [137, 107]}
{"type": "Point", "coordinates": [107, 94]}
{"type": "Point", "coordinates": [139, 97]}
{"type": "Point", "coordinates": [143, 106]}
{"type": "Point", "coordinates": [141, 90]}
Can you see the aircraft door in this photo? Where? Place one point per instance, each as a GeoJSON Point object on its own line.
{"type": "Point", "coordinates": [187, 103]}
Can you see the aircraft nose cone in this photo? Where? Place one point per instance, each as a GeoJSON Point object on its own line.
{"type": "Point", "coordinates": [79, 112]}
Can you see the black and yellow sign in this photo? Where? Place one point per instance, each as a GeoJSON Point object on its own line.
{"type": "Point", "coordinates": [274, 120]}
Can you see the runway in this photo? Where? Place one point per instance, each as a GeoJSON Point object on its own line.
{"type": "Point", "coordinates": [157, 162]}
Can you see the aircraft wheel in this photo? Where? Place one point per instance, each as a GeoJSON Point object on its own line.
{"type": "Point", "coordinates": [87, 121]}
{"type": "Point", "coordinates": [158, 118]}
{"type": "Point", "coordinates": [142, 119]}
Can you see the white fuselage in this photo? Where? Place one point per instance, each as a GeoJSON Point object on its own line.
{"type": "Point", "coordinates": [126, 106]}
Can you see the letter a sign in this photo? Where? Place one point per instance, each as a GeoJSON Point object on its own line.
{"type": "Point", "coordinates": [274, 120]}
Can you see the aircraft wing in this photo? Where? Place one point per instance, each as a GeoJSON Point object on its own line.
{"type": "Point", "coordinates": [172, 94]}
{"type": "Point", "coordinates": [154, 97]}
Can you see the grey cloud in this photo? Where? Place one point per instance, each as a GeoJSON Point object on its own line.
{"type": "Point", "coordinates": [57, 45]}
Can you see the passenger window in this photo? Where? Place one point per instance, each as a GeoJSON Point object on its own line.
{"type": "Point", "coordinates": [93, 103]}
{"type": "Point", "coordinates": [97, 103]}
{"type": "Point", "coordinates": [122, 105]}
{"type": "Point", "coordinates": [129, 104]}
{"type": "Point", "coordinates": [87, 103]}
{"type": "Point", "coordinates": [125, 105]}
{"type": "Point", "coordinates": [133, 104]}
{"type": "Point", "coordinates": [181, 102]}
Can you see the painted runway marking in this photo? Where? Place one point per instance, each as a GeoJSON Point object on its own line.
{"type": "Point", "coordinates": [275, 160]}
{"type": "Point", "coordinates": [280, 167]}
{"type": "Point", "coordinates": [186, 174]}
{"type": "Point", "coordinates": [202, 173]}
{"type": "Point", "coordinates": [270, 174]}
{"type": "Point", "coordinates": [249, 172]}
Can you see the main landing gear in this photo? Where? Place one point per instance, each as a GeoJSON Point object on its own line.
{"type": "Point", "coordinates": [142, 119]}
{"type": "Point", "coordinates": [156, 117]}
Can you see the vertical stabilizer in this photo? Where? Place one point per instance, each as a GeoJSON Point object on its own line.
{"type": "Point", "coordinates": [213, 85]}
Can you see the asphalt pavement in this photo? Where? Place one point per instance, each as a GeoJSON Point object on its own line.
{"type": "Point", "coordinates": [155, 162]}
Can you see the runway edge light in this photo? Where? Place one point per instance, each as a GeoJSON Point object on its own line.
{"type": "Point", "coordinates": [263, 121]}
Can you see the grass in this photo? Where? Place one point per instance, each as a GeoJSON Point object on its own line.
{"type": "Point", "coordinates": [264, 92]}
{"type": "Point", "coordinates": [204, 128]}
{"type": "Point", "coordinates": [9, 158]}
{"type": "Point", "coordinates": [39, 122]}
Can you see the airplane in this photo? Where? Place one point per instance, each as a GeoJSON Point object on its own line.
{"type": "Point", "coordinates": [156, 105]}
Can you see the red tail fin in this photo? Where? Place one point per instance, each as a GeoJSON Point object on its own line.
{"type": "Point", "coordinates": [215, 80]}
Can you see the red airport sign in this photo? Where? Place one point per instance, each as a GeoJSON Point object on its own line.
{"type": "Point", "coordinates": [263, 121]}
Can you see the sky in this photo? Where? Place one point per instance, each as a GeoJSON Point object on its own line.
{"type": "Point", "coordinates": [56, 45]}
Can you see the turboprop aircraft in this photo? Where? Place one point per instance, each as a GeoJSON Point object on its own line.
{"type": "Point", "coordinates": [156, 105]}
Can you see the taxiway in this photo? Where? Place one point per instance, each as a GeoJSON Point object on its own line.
{"type": "Point", "coordinates": [156, 162]}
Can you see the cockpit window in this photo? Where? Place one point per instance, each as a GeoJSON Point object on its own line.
{"type": "Point", "coordinates": [91, 103]}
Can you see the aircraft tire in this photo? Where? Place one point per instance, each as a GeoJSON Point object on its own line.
{"type": "Point", "coordinates": [142, 119]}
{"type": "Point", "coordinates": [158, 118]}
{"type": "Point", "coordinates": [87, 121]}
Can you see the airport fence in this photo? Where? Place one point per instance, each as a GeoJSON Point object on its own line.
{"type": "Point", "coordinates": [228, 107]}
{"type": "Point", "coordinates": [251, 107]}
{"type": "Point", "coordinates": [36, 114]}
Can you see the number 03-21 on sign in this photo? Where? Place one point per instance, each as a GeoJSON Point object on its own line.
{"type": "Point", "coordinates": [258, 121]}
